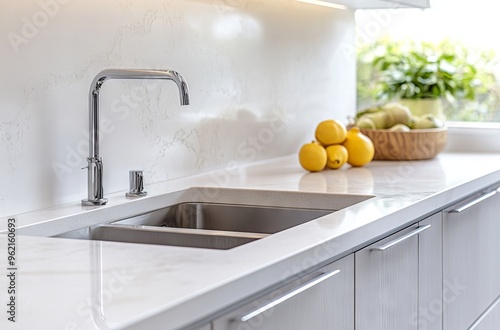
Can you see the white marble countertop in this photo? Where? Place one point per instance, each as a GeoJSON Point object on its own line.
{"type": "Point", "coordinates": [76, 284]}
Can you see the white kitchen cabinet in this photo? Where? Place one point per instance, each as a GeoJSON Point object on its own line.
{"type": "Point", "coordinates": [205, 327]}
{"type": "Point", "coordinates": [380, 4]}
{"type": "Point", "coordinates": [430, 275]}
{"type": "Point", "coordinates": [320, 300]}
{"type": "Point", "coordinates": [387, 282]}
{"type": "Point", "coordinates": [471, 262]}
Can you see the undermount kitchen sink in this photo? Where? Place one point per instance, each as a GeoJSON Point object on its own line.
{"type": "Point", "coordinates": [217, 224]}
{"type": "Point", "coordinates": [226, 217]}
{"type": "Point", "coordinates": [204, 225]}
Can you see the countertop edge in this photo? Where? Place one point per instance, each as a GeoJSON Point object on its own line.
{"type": "Point", "coordinates": [385, 226]}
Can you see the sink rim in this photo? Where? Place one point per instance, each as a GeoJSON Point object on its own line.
{"type": "Point", "coordinates": [93, 216]}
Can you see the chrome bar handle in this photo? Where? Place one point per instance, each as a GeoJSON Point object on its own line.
{"type": "Point", "coordinates": [400, 239]}
{"type": "Point", "coordinates": [484, 314]}
{"type": "Point", "coordinates": [474, 202]}
{"type": "Point", "coordinates": [289, 295]}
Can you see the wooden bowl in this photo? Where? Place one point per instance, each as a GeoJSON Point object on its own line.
{"type": "Point", "coordinates": [413, 145]}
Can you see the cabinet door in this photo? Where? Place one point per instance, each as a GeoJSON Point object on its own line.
{"type": "Point", "coordinates": [430, 275]}
{"type": "Point", "coordinates": [387, 282]}
{"type": "Point", "coordinates": [471, 259]}
{"type": "Point", "coordinates": [321, 300]}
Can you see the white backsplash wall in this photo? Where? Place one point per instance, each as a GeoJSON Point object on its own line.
{"type": "Point", "coordinates": [261, 75]}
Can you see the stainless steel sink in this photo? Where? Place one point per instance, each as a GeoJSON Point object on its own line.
{"type": "Point", "coordinates": [203, 225]}
{"type": "Point", "coordinates": [226, 217]}
{"type": "Point", "coordinates": [203, 217]}
{"type": "Point", "coordinates": [163, 236]}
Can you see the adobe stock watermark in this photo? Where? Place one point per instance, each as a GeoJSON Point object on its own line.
{"type": "Point", "coordinates": [120, 111]}
{"type": "Point", "coordinates": [227, 6]}
{"type": "Point", "coordinates": [404, 171]}
{"type": "Point", "coordinates": [372, 29]}
{"type": "Point", "coordinates": [430, 313]}
{"type": "Point", "coordinates": [32, 25]}
{"type": "Point", "coordinates": [92, 308]}
{"type": "Point", "coordinates": [250, 148]}
{"type": "Point", "coordinates": [233, 3]}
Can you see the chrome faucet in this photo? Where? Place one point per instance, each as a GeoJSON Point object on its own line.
{"type": "Point", "coordinates": [95, 171]}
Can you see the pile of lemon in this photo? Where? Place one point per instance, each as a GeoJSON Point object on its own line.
{"type": "Point", "coordinates": [335, 146]}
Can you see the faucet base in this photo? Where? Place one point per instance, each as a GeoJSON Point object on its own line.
{"type": "Point", "coordinates": [136, 194]}
{"type": "Point", "coordinates": [86, 202]}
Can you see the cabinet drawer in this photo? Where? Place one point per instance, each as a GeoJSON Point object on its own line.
{"type": "Point", "coordinates": [471, 259]}
{"type": "Point", "coordinates": [321, 300]}
{"type": "Point", "coordinates": [387, 283]}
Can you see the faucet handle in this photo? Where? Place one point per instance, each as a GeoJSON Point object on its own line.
{"type": "Point", "coordinates": [136, 184]}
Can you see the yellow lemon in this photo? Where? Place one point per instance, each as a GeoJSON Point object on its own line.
{"type": "Point", "coordinates": [312, 157]}
{"type": "Point", "coordinates": [336, 156]}
{"type": "Point", "coordinates": [359, 147]}
{"type": "Point", "coordinates": [330, 132]}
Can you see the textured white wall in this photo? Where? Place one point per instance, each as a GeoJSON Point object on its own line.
{"type": "Point", "coordinates": [261, 75]}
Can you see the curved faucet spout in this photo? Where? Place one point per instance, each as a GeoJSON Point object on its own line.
{"type": "Point", "coordinates": [108, 74]}
{"type": "Point", "coordinates": [95, 189]}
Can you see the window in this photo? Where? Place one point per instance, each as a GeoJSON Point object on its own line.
{"type": "Point", "coordinates": [470, 26]}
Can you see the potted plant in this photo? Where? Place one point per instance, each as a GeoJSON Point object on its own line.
{"type": "Point", "coordinates": [422, 76]}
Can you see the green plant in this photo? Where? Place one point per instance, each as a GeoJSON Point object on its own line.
{"type": "Point", "coordinates": [462, 76]}
{"type": "Point", "coordinates": [428, 71]}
